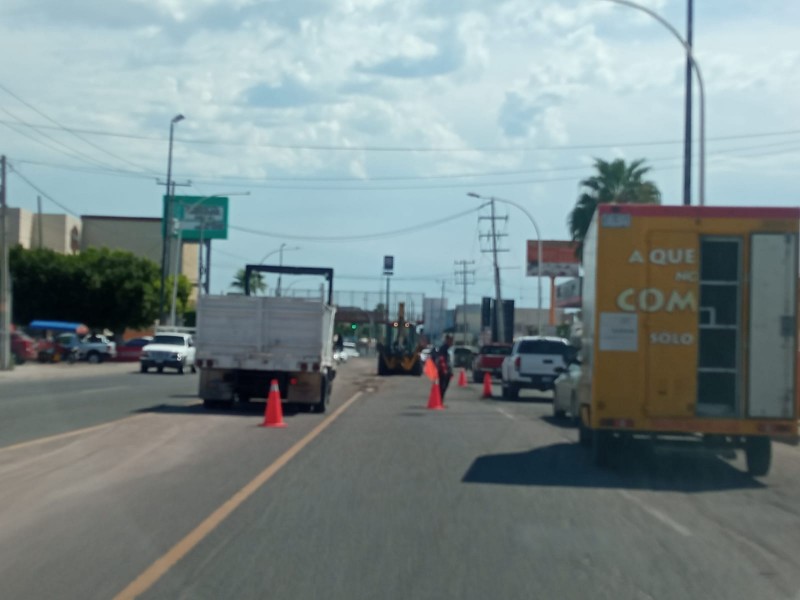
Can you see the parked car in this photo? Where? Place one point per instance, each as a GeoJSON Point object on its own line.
{"type": "Point", "coordinates": [489, 360]}
{"type": "Point", "coordinates": [131, 350]}
{"type": "Point", "coordinates": [462, 356]}
{"type": "Point", "coordinates": [533, 364]}
{"type": "Point", "coordinates": [169, 349]}
{"type": "Point", "coordinates": [565, 391]}
{"type": "Point", "coordinates": [350, 350]}
{"type": "Point", "coordinates": [93, 348]}
{"type": "Point", "coordinates": [23, 347]}
{"type": "Point", "coordinates": [425, 354]}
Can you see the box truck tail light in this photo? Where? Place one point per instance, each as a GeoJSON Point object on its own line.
{"type": "Point", "coordinates": [304, 367]}
{"type": "Point", "coordinates": [315, 367]}
{"type": "Point", "coordinates": [617, 423]}
{"type": "Point", "coordinates": [517, 362]}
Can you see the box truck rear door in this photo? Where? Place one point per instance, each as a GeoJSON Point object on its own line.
{"type": "Point", "coordinates": [772, 351]}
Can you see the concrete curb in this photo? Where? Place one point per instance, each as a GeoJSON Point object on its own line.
{"type": "Point", "coordinates": [31, 371]}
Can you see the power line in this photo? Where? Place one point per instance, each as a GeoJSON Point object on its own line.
{"type": "Point", "coordinates": [355, 238]}
{"type": "Point", "coordinates": [365, 148]}
{"type": "Point", "coordinates": [266, 182]}
{"type": "Point", "coordinates": [68, 150]}
{"type": "Point", "coordinates": [67, 129]}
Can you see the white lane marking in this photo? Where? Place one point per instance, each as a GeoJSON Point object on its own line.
{"type": "Point", "coordinates": [112, 388]}
{"type": "Point", "coordinates": [657, 514]}
{"type": "Point", "coordinates": [504, 412]}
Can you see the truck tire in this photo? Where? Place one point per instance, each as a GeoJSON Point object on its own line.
{"type": "Point", "coordinates": [180, 370]}
{"type": "Point", "coordinates": [601, 447]}
{"type": "Point", "coordinates": [381, 366]}
{"type": "Point", "coordinates": [584, 434]}
{"type": "Point", "coordinates": [513, 391]}
{"type": "Point", "coordinates": [324, 396]}
{"type": "Point", "coordinates": [558, 413]}
{"type": "Point", "coordinates": [94, 357]}
{"type": "Point", "coordinates": [19, 359]}
{"type": "Point", "coordinates": [758, 452]}
{"type": "Point", "coordinates": [477, 377]}
{"type": "Point", "coordinates": [143, 368]}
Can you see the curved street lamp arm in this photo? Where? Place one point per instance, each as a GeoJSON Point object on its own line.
{"type": "Point", "coordinates": [696, 67]}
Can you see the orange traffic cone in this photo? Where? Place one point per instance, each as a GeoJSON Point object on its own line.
{"type": "Point", "coordinates": [435, 398]}
{"type": "Point", "coordinates": [273, 414]}
{"type": "Point", "coordinates": [487, 385]}
{"type": "Point", "coordinates": [462, 378]}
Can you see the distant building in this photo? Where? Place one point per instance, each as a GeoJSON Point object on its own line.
{"type": "Point", "coordinates": [435, 315]}
{"type": "Point", "coordinates": [66, 234]}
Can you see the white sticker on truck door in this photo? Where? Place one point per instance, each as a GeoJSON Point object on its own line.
{"type": "Point", "coordinates": [619, 332]}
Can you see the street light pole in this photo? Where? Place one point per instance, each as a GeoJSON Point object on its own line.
{"type": "Point", "coordinates": [690, 56]}
{"type": "Point", "coordinates": [539, 239]}
{"type": "Point", "coordinates": [280, 263]}
{"type": "Point", "coordinates": [270, 253]}
{"type": "Point", "coordinates": [166, 246]}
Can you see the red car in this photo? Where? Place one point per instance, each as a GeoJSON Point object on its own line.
{"type": "Point", "coordinates": [489, 360]}
{"type": "Point", "coordinates": [131, 350]}
{"type": "Point", "coordinates": [23, 347]}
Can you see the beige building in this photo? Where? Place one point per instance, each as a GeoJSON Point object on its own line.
{"type": "Point", "coordinates": [61, 233]}
{"type": "Point", "coordinates": [67, 235]}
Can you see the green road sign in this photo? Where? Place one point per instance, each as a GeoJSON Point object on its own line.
{"type": "Point", "coordinates": [201, 217]}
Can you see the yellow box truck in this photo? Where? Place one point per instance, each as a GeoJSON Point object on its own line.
{"type": "Point", "coordinates": [690, 327]}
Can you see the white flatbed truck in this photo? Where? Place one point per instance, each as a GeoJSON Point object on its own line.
{"type": "Point", "coordinates": [244, 342]}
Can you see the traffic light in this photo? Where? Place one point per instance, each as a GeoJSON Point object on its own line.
{"type": "Point", "coordinates": [353, 326]}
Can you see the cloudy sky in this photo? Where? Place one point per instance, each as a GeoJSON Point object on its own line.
{"type": "Point", "coordinates": [359, 126]}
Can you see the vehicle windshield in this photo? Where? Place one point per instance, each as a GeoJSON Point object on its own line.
{"type": "Point", "coordinates": [170, 340]}
{"type": "Point", "coordinates": [543, 347]}
{"type": "Point", "coordinates": [496, 350]}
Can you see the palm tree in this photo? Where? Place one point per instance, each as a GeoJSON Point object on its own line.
{"type": "Point", "coordinates": [257, 283]}
{"type": "Point", "coordinates": [614, 183]}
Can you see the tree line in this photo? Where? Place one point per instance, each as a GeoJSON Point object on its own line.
{"type": "Point", "coordinates": [102, 288]}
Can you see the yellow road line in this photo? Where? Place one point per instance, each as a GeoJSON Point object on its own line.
{"type": "Point", "coordinates": [155, 571]}
{"type": "Point", "coordinates": [68, 434]}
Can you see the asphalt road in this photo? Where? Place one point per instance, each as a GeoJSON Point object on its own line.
{"type": "Point", "coordinates": [380, 498]}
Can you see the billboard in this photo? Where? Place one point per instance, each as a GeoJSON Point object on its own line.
{"type": "Point", "coordinates": [558, 259]}
{"type": "Point", "coordinates": [568, 294]}
{"type": "Point", "coordinates": [201, 217]}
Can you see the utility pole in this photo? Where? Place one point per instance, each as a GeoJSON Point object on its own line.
{"type": "Point", "coordinates": [39, 221]}
{"type": "Point", "coordinates": [5, 288]}
{"type": "Point", "coordinates": [498, 297]}
{"type": "Point", "coordinates": [687, 134]}
{"type": "Point", "coordinates": [464, 277]}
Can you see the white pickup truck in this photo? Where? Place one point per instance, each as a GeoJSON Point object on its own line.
{"type": "Point", "coordinates": [245, 342]}
{"type": "Point", "coordinates": [534, 363]}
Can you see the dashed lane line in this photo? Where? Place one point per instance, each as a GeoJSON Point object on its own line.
{"type": "Point", "coordinates": [657, 514]}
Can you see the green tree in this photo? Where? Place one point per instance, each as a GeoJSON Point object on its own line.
{"type": "Point", "coordinates": [615, 183]}
{"type": "Point", "coordinates": [100, 287]}
{"type": "Point", "coordinates": [257, 283]}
